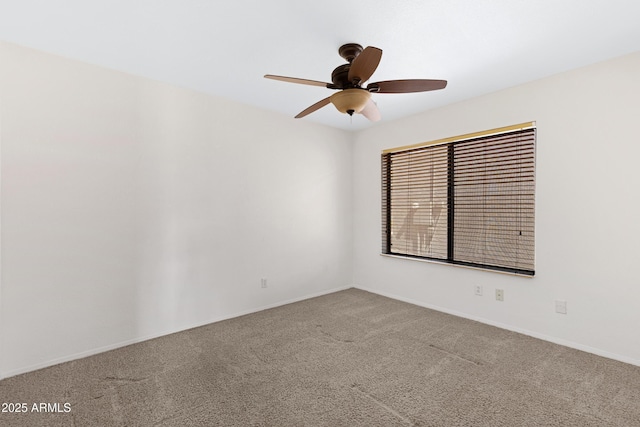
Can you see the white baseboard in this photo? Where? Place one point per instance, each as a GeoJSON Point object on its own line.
{"type": "Point", "coordinates": [114, 346]}
{"type": "Point", "coordinates": [555, 340]}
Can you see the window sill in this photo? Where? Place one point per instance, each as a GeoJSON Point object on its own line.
{"type": "Point", "coordinates": [433, 261]}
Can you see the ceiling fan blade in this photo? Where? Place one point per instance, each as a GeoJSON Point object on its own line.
{"type": "Point", "coordinates": [296, 80]}
{"type": "Point", "coordinates": [318, 105]}
{"type": "Point", "coordinates": [371, 112]}
{"type": "Point", "coordinates": [364, 65]}
{"type": "Point", "coordinates": [406, 86]}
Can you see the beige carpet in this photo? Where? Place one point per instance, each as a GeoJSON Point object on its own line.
{"type": "Point", "coordinates": [347, 359]}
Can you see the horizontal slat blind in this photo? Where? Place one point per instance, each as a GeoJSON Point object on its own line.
{"type": "Point", "coordinates": [386, 206]}
{"type": "Point", "coordinates": [494, 201]}
{"type": "Point", "coordinates": [418, 202]}
{"type": "Point", "coordinates": [487, 187]}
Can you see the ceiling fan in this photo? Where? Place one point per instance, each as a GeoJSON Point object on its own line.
{"type": "Point", "coordinates": [348, 78]}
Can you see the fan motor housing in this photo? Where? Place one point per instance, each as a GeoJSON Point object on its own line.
{"type": "Point", "coordinates": [340, 76]}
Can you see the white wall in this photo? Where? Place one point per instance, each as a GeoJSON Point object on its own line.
{"type": "Point", "coordinates": [587, 211]}
{"type": "Point", "coordinates": [131, 209]}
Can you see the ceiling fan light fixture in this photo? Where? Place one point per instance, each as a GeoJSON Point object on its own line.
{"type": "Point", "coordinates": [350, 101]}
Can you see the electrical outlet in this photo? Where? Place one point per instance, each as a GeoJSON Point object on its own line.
{"type": "Point", "coordinates": [263, 283]}
{"type": "Point", "coordinates": [499, 295]}
{"type": "Point", "coordinates": [561, 307]}
{"type": "Point", "coordinates": [478, 290]}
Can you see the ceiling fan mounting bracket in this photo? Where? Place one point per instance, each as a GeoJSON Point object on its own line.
{"type": "Point", "coordinates": [350, 50]}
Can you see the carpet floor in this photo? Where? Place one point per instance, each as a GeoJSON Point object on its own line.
{"type": "Point", "coordinates": [350, 358]}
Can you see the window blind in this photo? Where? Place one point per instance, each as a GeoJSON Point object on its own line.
{"type": "Point", "coordinates": [468, 201]}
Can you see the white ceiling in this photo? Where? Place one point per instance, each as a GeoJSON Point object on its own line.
{"type": "Point", "coordinates": [225, 47]}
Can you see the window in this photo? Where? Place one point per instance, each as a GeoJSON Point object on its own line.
{"type": "Point", "coordinates": [467, 200]}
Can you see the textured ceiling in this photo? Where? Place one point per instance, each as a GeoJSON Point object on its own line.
{"type": "Point", "coordinates": [225, 47]}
